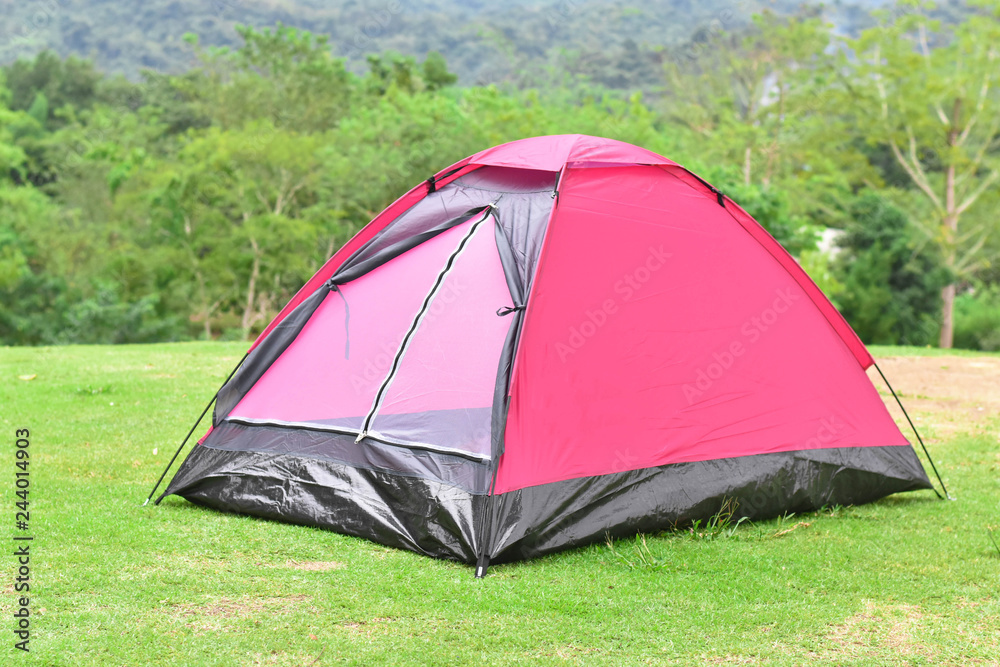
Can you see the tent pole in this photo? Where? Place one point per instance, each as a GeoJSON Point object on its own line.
{"type": "Point", "coordinates": [188, 436]}
{"type": "Point", "coordinates": [917, 433]}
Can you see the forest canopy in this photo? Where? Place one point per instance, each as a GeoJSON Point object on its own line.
{"type": "Point", "coordinates": [194, 203]}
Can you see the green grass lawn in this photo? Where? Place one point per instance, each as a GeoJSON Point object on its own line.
{"type": "Point", "coordinates": [909, 580]}
{"type": "Point", "coordinates": [901, 351]}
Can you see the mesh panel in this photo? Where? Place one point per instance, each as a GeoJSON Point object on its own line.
{"type": "Point", "coordinates": [442, 392]}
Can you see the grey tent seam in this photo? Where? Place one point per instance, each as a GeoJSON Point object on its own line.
{"type": "Point", "coordinates": [347, 320]}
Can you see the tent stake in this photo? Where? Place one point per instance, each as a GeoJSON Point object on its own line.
{"type": "Point", "coordinates": [917, 433]}
{"type": "Point", "coordinates": [188, 436]}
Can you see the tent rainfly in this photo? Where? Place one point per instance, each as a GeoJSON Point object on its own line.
{"type": "Point", "coordinates": [550, 341]}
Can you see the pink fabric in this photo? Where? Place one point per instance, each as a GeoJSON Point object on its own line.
{"type": "Point", "coordinates": [312, 381]}
{"type": "Point", "coordinates": [832, 315]}
{"type": "Point", "coordinates": [550, 153]}
{"type": "Point", "coordinates": [660, 331]}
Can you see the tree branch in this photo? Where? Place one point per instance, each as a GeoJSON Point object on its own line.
{"type": "Point", "coordinates": [971, 199]}
{"type": "Point", "coordinates": [880, 85]}
{"type": "Point", "coordinates": [916, 175]}
{"type": "Point", "coordinates": [986, 145]}
{"type": "Point", "coordinates": [925, 49]}
{"type": "Point", "coordinates": [968, 261]}
{"type": "Point", "coordinates": [984, 90]}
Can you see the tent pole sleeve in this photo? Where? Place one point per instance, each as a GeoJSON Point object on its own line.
{"type": "Point", "coordinates": [188, 436]}
{"type": "Point", "coordinates": [917, 433]}
{"type": "Point", "coordinates": [483, 563]}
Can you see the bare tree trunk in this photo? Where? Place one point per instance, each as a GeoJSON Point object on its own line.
{"type": "Point", "coordinates": [948, 292]}
{"type": "Point", "coordinates": [206, 311]}
{"type": "Point", "coordinates": [248, 314]}
{"type": "Point", "coordinates": [950, 233]}
{"type": "Point", "coordinates": [947, 313]}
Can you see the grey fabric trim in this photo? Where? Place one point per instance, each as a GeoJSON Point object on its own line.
{"type": "Point", "coordinates": [372, 435]}
{"type": "Point", "coordinates": [527, 202]}
{"type": "Point", "coordinates": [460, 471]}
{"type": "Point", "coordinates": [279, 423]}
{"type": "Point", "coordinates": [455, 421]}
{"type": "Point", "coordinates": [362, 262]}
{"type": "Point", "coordinates": [508, 260]}
{"type": "Point", "coordinates": [511, 180]}
{"type": "Point", "coordinates": [501, 402]}
{"type": "Point", "coordinates": [500, 398]}
{"type": "Point", "coordinates": [515, 267]}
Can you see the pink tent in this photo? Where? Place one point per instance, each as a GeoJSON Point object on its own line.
{"type": "Point", "coordinates": [551, 340]}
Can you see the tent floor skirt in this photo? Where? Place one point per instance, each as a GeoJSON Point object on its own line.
{"type": "Point", "coordinates": [444, 521]}
{"type": "Point", "coordinates": [401, 511]}
{"type": "Point", "coordinates": [541, 519]}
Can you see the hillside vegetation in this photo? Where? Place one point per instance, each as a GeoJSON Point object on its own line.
{"type": "Point", "coordinates": [194, 204]}
{"type": "Point", "coordinates": [613, 43]}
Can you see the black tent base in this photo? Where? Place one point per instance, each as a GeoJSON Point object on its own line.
{"type": "Point", "coordinates": [547, 518]}
{"type": "Point", "coordinates": [396, 510]}
{"type": "Point", "coordinates": [443, 520]}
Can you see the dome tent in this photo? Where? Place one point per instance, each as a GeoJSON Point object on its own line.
{"type": "Point", "coordinates": [552, 340]}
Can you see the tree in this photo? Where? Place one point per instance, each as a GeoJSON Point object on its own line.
{"type": "Point", "coordinates": [933, 97]}
{"type": "Point", "coordinates": [34, 295]}
{"type": "Point", "coordinates": [891, 281]}
{"type": "Point", "coordinates": [285, 76]}
{"type": "Point", "coordinates": [759, 98]}
{"type": "Point", "coordinates": [435, 72]}
{"type": "Point", "coordinates": [235, 214]}
{"type": "Point", "coordinates": [71, 82]}
{"type": "Point", "coordinates": [742, 91]}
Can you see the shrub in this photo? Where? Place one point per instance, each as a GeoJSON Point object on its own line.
{"type": "Point", "coordinates": [892, 284]}
{"type": "Point", "coordinates": [977, 319]}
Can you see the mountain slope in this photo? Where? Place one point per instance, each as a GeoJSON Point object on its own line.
{"type": "Point", "coordinates": [614, 43]}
